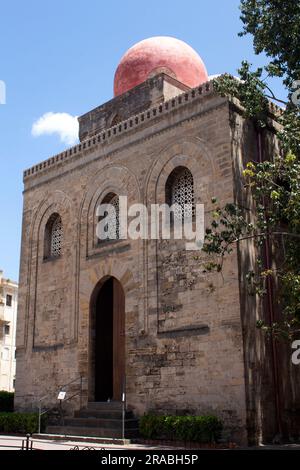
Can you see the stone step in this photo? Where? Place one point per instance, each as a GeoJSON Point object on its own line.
{"type": "Point", "coordinates": [101, 423]}
{"type": "Point", "coordinates": [104, 414]}
{"type": "Point", "coordinates": [105, 405]}
{"type": "Point", "coordinates": [91, 432]}
{"type": "Point", "coordinates": [98, 419]}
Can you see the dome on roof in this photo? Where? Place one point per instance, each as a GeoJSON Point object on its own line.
{"type": "Point", "coordinates": [155, 55]}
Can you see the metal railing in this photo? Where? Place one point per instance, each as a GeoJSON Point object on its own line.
{"type": "Point", "coordinates": [62, 388]}
{"type": "Point", "coordinates": [27, 443]}
{"type": "Point", "coordinates": [123, 407]}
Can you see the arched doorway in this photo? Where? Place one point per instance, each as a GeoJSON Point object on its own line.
{"type": "Point", "coordinates": [107, 341]}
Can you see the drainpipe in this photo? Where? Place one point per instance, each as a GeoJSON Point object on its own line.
{"type": "Point", "coordinates": [270, 308]}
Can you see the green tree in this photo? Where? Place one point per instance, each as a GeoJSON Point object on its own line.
{"type": "Point", "coordinates": [274, 184]}
{"type": "Point", "coordinates": [274, 25]}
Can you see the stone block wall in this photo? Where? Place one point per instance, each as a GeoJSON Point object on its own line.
{"type": "Point", "coordinates": [184, 346]}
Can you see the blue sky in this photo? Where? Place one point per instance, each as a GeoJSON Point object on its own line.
{"type": "Point", "coordinates": [60, 56]}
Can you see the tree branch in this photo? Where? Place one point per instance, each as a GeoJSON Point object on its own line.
{"type": "Point", "coordinates": [259, 235]}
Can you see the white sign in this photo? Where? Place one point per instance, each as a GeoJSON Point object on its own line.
{"type": "Point", "coordinates": [61, 395]}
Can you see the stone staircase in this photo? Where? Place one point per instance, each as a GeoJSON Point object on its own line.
{"type": "Point", "coordinates": [99, 419]}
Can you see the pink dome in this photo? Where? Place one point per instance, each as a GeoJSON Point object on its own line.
{"type": "Point", "coordinates": [155, 55]}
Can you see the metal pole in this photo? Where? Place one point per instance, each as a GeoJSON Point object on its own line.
{"type": "Point", "coordinates": [123, 415]}
{"type": "Point", "coordinates": [40, 415]}
{"type": "Point", "coordinates": [81, 391]}
{"type": "Point", "coordinates": [61, 413]}
{"type": "Point", "coordinates": [27, 441]}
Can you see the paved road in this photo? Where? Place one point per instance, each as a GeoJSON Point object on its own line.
{"type": "Point", "coordinates": [15, 443]}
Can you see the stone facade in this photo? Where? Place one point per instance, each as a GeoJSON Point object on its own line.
{"type": "Point", "coordinates": [188, 332]}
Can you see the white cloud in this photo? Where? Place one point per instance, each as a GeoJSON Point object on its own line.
{"type": "Point", "coordinates": [217, 75]}
{"type": "Point", "coordinates": [213, 77]}
{"type": "Point", "coordinates": [63, 124]}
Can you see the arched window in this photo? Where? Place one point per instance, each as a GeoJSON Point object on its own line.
{"type": "Point", "coordinates": [54, 235]}
{"type": "Point", "coordinates": [180, 191]}
{"type": "Point", "coordinates": [112, 223]}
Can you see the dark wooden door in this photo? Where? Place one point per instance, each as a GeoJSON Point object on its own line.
{"type": "Point", "coordinates": [110, 342]}
{"type": "Point", "coordinates": [104, 343]}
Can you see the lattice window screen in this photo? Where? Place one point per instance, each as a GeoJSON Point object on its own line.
{"type": "Point", "coordinates": [113, 223]}
{"type": "Point", "coordinates": [56, 238]}
{"type": "Point", "coordinates": [182, 192]}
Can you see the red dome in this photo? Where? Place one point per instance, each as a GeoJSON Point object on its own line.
{"type": "Point", "coordinates": [159, 54]}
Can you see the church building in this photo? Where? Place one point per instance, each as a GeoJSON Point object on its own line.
{"type": "Point", "coordinates": [144, 320]}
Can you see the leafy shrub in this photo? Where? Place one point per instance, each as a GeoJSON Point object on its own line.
{"type": "Point", "coordinates": [201, 429]}
{"type": "Point", "coordinates": [20, 422]}
{"type": "Point", "coordinates": [6, 401]}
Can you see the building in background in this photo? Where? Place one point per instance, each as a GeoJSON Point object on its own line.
{"type": "Point", "coordinates": [8, 320]}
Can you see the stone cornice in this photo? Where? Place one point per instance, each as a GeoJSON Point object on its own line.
{"type": "Point", "coordinates": [111, 152]}
{"type": "Point", "coordinates": [134, 122]}
{"type": "Point", "coordinates": [123, 127]}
